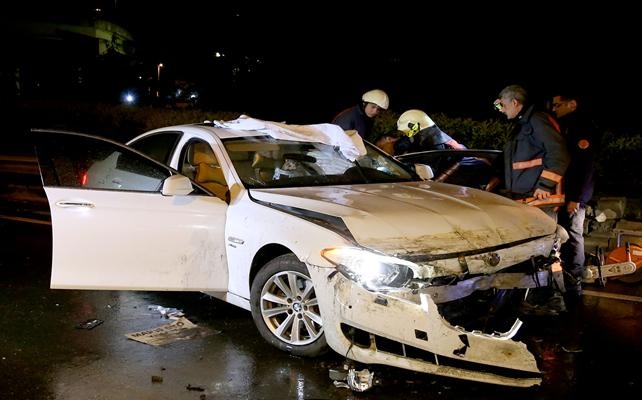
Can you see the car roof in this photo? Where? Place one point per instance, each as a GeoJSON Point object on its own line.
{"type": "Point", "coordinates": [207, 128]}
{"type": "Point", "coordinates": [349, 142]}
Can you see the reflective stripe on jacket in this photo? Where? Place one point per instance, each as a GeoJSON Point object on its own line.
{"type": "Point", "coordinates": [536, 156]}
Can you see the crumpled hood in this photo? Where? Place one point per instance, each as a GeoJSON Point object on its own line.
{"type": "Point", "coordinates": [425, 217]}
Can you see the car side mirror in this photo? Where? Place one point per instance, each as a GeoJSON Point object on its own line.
{"type": "Point", "coordinates": [177, 185]}
{"type": "Point", "coordinates": [424, 171]}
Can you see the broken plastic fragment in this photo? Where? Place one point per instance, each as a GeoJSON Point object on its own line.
{"type": "Point", "coordinates": [166, 312]}
{"type": "Point", "coordinates": [337, 375]}
{"type": "Point", "coordinates": [89, 324]}
{"type": "Point", "coordinates": [359, 381]}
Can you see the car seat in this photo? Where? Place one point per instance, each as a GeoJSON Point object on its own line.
{"type": "Point", "coordinates": [208, 171]}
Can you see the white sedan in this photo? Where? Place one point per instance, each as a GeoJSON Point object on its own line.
{"type": "Point", "coordinates": [329, 242]}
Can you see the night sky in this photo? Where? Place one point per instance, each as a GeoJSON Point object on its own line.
{"type": "Point", "coordinates": [314, 59]}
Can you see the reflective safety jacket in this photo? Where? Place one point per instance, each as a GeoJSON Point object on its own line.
{"type": "Point", "coordinates": [536, 157]}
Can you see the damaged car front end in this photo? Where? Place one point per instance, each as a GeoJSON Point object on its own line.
{"type": "Point", "coordinates": [460, 325]}
{"type": "Point", "coordinates": [452, 314]}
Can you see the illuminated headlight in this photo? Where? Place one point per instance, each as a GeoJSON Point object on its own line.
{"type": "Point", "coordinates": [370, 270]}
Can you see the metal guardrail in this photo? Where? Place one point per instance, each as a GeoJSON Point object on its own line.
{"type": "Point", "coordinates": [19, 164]}
{"type": "Point", "coordinates": [22, 197]}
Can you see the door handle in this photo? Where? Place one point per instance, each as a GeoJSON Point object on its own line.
{"type": "Point", "coordinates": [67, 204]}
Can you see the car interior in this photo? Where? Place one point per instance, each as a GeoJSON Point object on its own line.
{"type": "Point", "coordinates": [203, 167]}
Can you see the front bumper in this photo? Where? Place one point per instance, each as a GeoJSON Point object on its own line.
{"type": "Point", "coordinates": [405, 329]}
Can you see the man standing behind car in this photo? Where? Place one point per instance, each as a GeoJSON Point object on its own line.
{"type": "Point", "coordinates": [581, 134]}
{"type": "Point", "coordinates": [535, 160]}
{"type": "Point", "coordinates": [361, 116]}
{"type": "Point", "coordinates": [536, 156]}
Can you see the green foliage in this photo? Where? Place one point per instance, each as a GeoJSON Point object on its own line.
{"type": "Point", "coordinates": [618, 153]}
{"type": "Point", "coordinates": [118, 122]}
{"type": "Point", "coordinates": [618, 157]}
{"type": "Point", "coordinates": [385, 122]}
{"type": "Point", "coordinates": [489, 134]}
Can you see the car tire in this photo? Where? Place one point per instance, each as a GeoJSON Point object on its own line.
{"type": "Point", "coordinates": [285, 308]}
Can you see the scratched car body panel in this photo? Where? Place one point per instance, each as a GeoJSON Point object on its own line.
{"type": "Point", "coordinates": [329, 242]}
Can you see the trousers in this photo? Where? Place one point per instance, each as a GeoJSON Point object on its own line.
{"type": "Point", "coordinates": [572, 252]}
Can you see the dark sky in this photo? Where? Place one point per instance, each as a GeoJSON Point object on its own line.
{"type": "Point", "coordinates": [318, 57]}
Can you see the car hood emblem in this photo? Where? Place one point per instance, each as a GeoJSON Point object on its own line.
{"type": "Point", "coordinates": [492, 259]}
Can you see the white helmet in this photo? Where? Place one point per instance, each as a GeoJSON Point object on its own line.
{"type": "Point", "coordinates": [413, 121]}
{"type": "Point", "coordinates": [378, 97]}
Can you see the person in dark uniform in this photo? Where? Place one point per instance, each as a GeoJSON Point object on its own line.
{"type": "Point", "coordinates": [581, 134]}
{"type": "Point", "coordinates": [416, 131]}
{"type": "Point", "coordinates": [535, 158]}
{"type": "Point", "coordinates": [361, 116]}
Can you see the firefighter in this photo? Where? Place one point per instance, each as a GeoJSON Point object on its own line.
{"type": "Point", "coordinates": [361, 116]}
{"type": "Point", "coordinates": [416, 131]}
{"type": "Point", "coordinates": [535, 159]}
{"type": "Point", "coordinates": [536, 156]}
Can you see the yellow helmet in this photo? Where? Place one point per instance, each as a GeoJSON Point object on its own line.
{"type": "Point", "coordinates": [378, 97]}
{"type": "Point", "coordinates": [413, 121]}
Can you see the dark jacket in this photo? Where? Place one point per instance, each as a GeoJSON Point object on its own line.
{"type": "Point", "coordinates": [355, 118]}
{"type": "Point", "coordinates": [582, 139]}
{"type": "Point", "coordinates": [536, 156]}
{"type": "Point", "coordinates": [431, 138]}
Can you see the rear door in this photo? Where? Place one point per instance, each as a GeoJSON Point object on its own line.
{"type": "Point", "coordinates": [114, 229]}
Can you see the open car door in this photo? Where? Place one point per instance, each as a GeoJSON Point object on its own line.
{"type": "Point", "coordinates": [475, 168]}
{"type": "Point", "coordinates": [121, 220]}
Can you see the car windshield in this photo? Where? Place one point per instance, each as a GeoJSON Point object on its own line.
{"type": "Point", "coordinates": [266, 162]}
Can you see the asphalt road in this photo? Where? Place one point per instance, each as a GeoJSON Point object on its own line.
{"type": "Point", "coordinates": [45, 355]}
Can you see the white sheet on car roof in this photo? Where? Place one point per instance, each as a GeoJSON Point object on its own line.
{"type": "Point", "coordinates": [349, 142]}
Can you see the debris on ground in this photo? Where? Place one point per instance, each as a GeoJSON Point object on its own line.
{"type": "Point", "coordinates": [180, 329]}
{"type": "Point", "coordinates": [358, 381]}
{"type": "Point", "coordinates": [195, 388]}
{"type": "Point", "coordinates": [166, 312]}
{"type": "Point", "coordinates": [89, 324]}
{"type": "Point", "coordinates": [157, 379]}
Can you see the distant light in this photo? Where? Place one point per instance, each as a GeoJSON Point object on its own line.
{"type": "Point", "coordinates": [129, 98]}
{"type": "Point", "coordinates": [218, 55]}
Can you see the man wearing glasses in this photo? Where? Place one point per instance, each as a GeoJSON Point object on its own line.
{"type": "Point", "coordinates": [580, 133]}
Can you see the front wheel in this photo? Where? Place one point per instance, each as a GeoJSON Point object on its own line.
{"type": "Point", "coordinates": [285, 308]}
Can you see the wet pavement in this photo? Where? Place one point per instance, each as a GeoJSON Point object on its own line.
{"type": "Point", "coordinates": [44, 355]}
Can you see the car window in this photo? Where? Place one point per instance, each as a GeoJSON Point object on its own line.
{"type": "Point", "coordinates": [84, 162]}
{"type": "Point", "coordinates": [269, 162]}
{"type": "Point", "coordinates": [158, 146]}
{"type": "Point", "coordinates": [199, 163]}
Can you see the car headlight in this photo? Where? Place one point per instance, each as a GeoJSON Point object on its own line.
{"type": "Point", "coordinates": [371, 270]}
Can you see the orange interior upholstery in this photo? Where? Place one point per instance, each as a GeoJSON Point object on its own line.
{"type": "Point", "coordinates": [208, 171]}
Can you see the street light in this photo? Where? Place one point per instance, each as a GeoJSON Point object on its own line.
{"type": "Point", "coordinates": [158, 68]}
